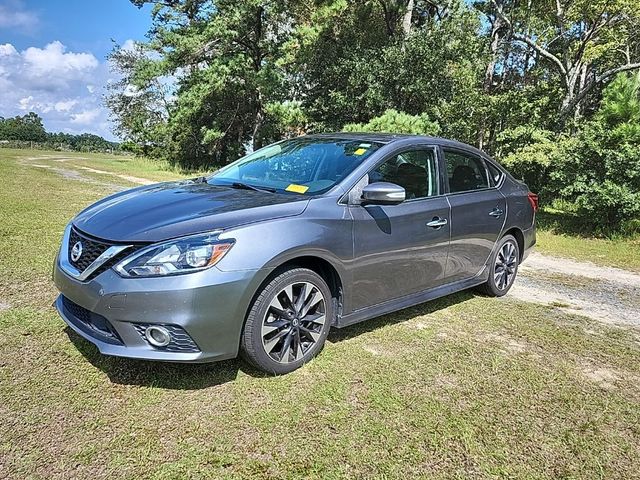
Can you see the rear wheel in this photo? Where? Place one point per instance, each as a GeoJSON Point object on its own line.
{"type": "Point", "coordinates": [504, 267]}
{"type": "Point", "coordinates": [288, 322]}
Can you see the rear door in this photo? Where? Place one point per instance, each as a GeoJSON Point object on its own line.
{"type": "Point", "coordinates": [478, 212]}
{"type": "Point", "coordinates": [401, 249]}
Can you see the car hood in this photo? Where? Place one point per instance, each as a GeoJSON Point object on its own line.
{"type": "Point", "coordinates": [168, 210]}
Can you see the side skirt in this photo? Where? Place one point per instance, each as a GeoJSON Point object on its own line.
{"type": "Point", "coordinates": [410, 300]}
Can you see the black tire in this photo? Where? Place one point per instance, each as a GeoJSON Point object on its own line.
{"type": "Point", "coordinates": [268, 313]}
{"type": "Point", "coordinates": [499, 264]}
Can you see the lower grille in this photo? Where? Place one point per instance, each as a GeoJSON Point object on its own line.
{"type": "Point", "coordinates": [92, 321]}
{"type": "Point", "coordinates": [181, 342]}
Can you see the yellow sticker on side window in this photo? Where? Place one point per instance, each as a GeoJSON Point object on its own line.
{"type": "Point", "coordinates": [296, 188]}
{"type": "Point", "coordinates": [360, 151]}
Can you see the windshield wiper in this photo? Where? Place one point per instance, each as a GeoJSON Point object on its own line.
{"type": "Point", "coordinates": [246, 186]}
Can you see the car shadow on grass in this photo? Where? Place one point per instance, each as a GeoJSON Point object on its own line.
{"type": "Point", "coordinates": [345, 333]}
{"type": "Point", "coordinates": [174, 376]}
{"type": "Point", "coordinates": [184, 376]}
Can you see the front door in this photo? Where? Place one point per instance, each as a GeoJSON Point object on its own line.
{"type": "Point", "coordinates": [401, 249]}
{"type": "Point", "coordinates": [478, 212]}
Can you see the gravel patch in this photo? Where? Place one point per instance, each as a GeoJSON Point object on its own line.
{"type": "Point", "coordinates": [606, 294]}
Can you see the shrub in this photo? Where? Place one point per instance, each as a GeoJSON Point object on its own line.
{"type": "Point", "coordinates": [597, 170]}
{"type": "Point", "coordinates": [601, 175]}
{"type": "Point", "coordinates": [530, 153]}
{"type": "Point", "coordinates": [392, 121]}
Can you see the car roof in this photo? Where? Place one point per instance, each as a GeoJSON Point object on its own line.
{"type": "Point", "coordinates": [390, 138]}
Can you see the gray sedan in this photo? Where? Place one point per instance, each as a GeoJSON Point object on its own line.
{"type": "Point", "coordinates": [266, 255]}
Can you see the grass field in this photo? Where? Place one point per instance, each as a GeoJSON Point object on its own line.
{"type": "Point", "coordinates": [462, 387]}
{"type": "Point", "coordinates": [559, 235]}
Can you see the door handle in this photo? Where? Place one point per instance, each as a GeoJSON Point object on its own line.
{"type": "Point", "coordinates": [496, 212]}
{"type": "Point", "coordinates": [437, 222]}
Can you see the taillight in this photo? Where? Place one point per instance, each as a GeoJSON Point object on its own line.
{"type": "Point", "coordinates": [533, 200]}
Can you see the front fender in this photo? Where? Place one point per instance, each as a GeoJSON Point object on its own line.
{"type": "Point", "coordinates": [324, 231]}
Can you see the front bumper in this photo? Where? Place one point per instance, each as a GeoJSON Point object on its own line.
{"type": "Point", "coordinates": [206, 307]}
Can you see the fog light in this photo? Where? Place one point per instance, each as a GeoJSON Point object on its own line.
{"type": "Point", "coordinates": [157, 336]}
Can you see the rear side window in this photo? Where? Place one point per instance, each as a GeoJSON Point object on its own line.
{"type": "Point", "coordinates": [465, 172]}
{"type": "Point", "coordinates": [495, 173]}
{"type": "Point", "coordinates": [413, 170]}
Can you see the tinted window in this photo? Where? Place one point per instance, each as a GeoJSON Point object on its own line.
{"type": "Point", "coordinates": [494, 173]}
{"type": "Point", "coordinates": [414, 170]}
{"type": "Point", "coordinates": [301, 166]}
{"type": "Point", "coordinates": [465, 172]}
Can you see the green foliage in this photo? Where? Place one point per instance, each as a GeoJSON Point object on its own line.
{"type": "Point", "coordinates": [596, 171]}
{"type": "Point", "coordinates": [533, 83]}
{"type": "Point", "coordinates": [85, 142]}
{"type": "Point", "coordinates": [27, 128]}
{"type": "Point", "coordinates": [358, 71]}
{"type": "Point", "coordinates": [600, 173]}
{"type": "Point", "coordinates": [621, 108]}
{"type": "Point", "coordinates": [530, 154]}
{"type": "Point", "coordinates": [393, 121]}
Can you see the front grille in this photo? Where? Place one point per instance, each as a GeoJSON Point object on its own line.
{"type": "Point", "coordinates": [91, 249]}
{"type": "Point", "coordinates": [92, 321]}
{"type": "Point", "coordinates": [181, 342]}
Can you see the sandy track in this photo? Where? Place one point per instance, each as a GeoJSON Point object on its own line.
{"type": "Point", "coordinates": [71, 171]}
{"type": "Point", "coordinates": [606, 294]}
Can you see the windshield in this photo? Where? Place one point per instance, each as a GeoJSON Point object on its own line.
{"type": "Point", "coordinates": [301, 166]}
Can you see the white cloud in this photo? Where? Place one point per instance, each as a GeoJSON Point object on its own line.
{"type": "Point", "coordinates": [85, 117]}
{"type": "Point", "coordinates": [52, 59]}
{"type": "Point", "coordinates": [7, 49]}
{"type": "Point", "coordinates": [14, 15]}
{"type": "Point", "coordinates": [65, 106]}
{"type": "Point", "coordinates": [26, 103]}
{"type": "Point", "coordinates": [64, 87]}
{"type": "Point", "coordinates": [128, 45]}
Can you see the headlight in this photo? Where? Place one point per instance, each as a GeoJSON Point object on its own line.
{"type": "Point", "coordinates": [176, 257]}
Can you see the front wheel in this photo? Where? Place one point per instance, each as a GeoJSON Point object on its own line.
{"type": "Point", "coordinates": [288, 322]}
{"type": "Point", "coordinates": [503, 268]}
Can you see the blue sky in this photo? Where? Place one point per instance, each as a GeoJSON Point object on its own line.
{"type": "Point", "coordinates": [53, 58]}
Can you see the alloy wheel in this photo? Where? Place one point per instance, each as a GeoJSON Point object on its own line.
{"type": "Point", "coordinates": [293, 322]}
{"type": "Point", "coordinates": [505, 267]}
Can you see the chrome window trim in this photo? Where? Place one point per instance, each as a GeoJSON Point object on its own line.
{"type": "Point", "coordinates": [69, 269]}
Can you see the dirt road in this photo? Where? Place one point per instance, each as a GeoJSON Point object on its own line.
{"type": "Point", "coordinates": [610, 295]}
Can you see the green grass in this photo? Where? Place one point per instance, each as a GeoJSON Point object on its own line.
{"type": "Point", "coordinates": [621, 253]}
{"type": "Point", "coordinates": [559, 234]}
{"type": "Point", "coordinates": [461, 387]}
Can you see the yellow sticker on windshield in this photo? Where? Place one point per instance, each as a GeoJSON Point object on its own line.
{"type": "Point", "coordinates": [360, 151]}
{"type": "Point", "coordinates": [296, 188]}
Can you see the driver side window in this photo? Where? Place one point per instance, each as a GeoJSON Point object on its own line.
{"type": "Point", "coordinates": [414, 170]}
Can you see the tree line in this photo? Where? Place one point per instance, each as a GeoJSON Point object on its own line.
{"type": "Point", "coordinates": [28, 129]}
{"type": "Point", "coordinates": [549, 87]}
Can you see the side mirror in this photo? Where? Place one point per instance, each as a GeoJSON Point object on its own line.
{"type": "Point", "coordinates": [383, 193]}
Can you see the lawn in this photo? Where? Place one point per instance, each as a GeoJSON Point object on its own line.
{"type": "Point", "coordinates": [559, 234]}
{"type": "Point", "coordinates": [461, 387]}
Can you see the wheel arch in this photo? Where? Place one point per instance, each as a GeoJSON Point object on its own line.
{"type": "Point", "coordinates": [519, 236]}
{"type": "Point", "coordinates": [314, 262]}
{"type": "Point", "coordinates": [322, 267]}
